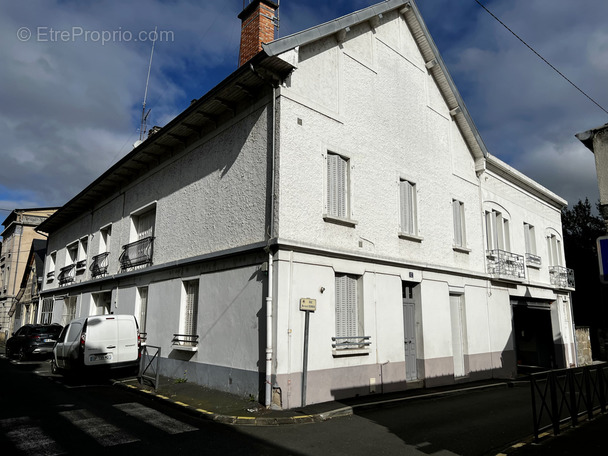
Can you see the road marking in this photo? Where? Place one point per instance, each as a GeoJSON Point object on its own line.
{"type": "Point", "coordinates": [155, 418]}
{"type": "Point", "coordinates": [28, 437]}
{"type": "Point", "coordinates": [105, 433]}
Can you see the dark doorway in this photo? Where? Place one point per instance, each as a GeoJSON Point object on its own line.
{"type": "Point", "coordinates": [533, 337]}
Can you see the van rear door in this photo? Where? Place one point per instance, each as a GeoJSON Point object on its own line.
{"type": "Point", "coordinates": [128, 349]}
{"type": "Point", "coordinates": [101, 340]}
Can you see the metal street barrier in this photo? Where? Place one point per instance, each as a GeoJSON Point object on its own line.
{"type": "Point", "coordinates": [565, 395]}
{"type": "Point", "coordinates": [148, 365]}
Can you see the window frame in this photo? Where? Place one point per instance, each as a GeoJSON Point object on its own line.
{"type": "Point", "coordinates": [338, 189]}
{"type": "Point", "coordinates": [459, 222]}
{"type": "Point", "coordinates": [408, 213]}
{"type": "Point", "coordinates": [188, 319]}
{"type": "Point", "coordinates": [498, 232]}
{"type": "Point", "coordinates": [349, 315]}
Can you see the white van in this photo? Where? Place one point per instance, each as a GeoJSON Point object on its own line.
{"type": "Point", "coordinates": [104, 341]}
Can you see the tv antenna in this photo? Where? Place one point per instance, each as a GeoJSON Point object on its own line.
{"type": "Point", "coordinates": [144, 114]}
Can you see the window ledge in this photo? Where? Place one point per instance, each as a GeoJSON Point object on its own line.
{"type": "Point", "coordinates": [350, 352]}
{"type": "Point", "coordinates": [340, 220]}
{"type": "Point", "coordinates": [187, 348]}
{"type": "Point", "coordinates": [410, 237]}
{"type": "Point", "coordinates": [461, 249]}
{"type": "Point", "coordinates": [534, 266]}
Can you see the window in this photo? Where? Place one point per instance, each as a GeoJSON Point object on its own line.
{"type": "Point", "coordinates": [530, 238]}
{"type": "Point", "coordinates": [102, 303]}
{"type": "Point", "coordinates": [532, 259]}
{"type": "Point", "coordinates": [460, 239]}
{"type": "Point", "coordinates": [72, 254]}
{"type": "Point", "coordinates": [142, 307]}
{"type": "Point", "coordinates": [407, 200]}
{"type": "Point", "coordinates": [338, 191]}
{"type": "Point", "coordinates": [139, 251]}
{"type": "Point", "coordinates": [69, 310]}
{"type": "Point", "coordinates": [144, 225]}
{"type": "Point", "coordinates": [497, 231]}
{"type": "Point", "coordinates": [104, 239]}
{"type": "Point", "coordinates": [50, 275]}
{"type": "Point", "coordinates": [554, 247]}
{"type": "Point", "coordinates": [187, 336]}
{"type": "Point", "coordinates": [81, 262]}
{"type": "Point", "coordinates": [46, 315]}
{"type": "Point", "coordinates": [349, 314]}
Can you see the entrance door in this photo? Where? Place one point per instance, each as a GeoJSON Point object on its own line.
{"type": "Point", "coordinates": [409, 330]}
{"type": "Point", "coordinates": [456, 309]}
{"type": "Point", "coordinates": [533, 335]}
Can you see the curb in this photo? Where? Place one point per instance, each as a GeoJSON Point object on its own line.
{"type": "Point", "coordinates": [240, 420]}
{"type": "Point", "coordinates": [295, 419]}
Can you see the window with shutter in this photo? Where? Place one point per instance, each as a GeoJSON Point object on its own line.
{"type": "Point", "coordinates": [459, 225]}
{"type": "Point", "coordinates": [337, 186]}
{"type": "Point", "coordinates": [497, 231]}
{"type": "Point", "coordinates": [349, 314]}
{"type": "Point", "coordinates": [407, 196]}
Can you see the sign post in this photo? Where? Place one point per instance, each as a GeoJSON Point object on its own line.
{"type": "Point", "coordinates": [602, 255]}
{"type": "Point", "coordinates": [307, 305]}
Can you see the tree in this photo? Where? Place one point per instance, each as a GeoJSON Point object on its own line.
{"type": "Point", "coordinates": [581, 228]}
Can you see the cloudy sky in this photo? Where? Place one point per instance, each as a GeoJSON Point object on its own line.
{"type": "Point", "coordinates": [73, 76]}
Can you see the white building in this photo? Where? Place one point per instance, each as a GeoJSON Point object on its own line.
{"type": "Point", "coordinates": [339, 164]}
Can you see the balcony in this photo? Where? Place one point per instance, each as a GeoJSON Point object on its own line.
{"type": "Point", "coordinates": [67, 274]}
{"type": "Point", "coordinates": [506, 266]}
{"type": "Point", "coordinates": [99, 265]}
{"type": "Point", "coordinates": [562, 277]}
{"type": "Point", "coordinates": [186, 342]}
{"type": "Point", "coordinates": [138, 253]}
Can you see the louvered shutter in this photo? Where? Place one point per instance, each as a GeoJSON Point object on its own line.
{"type": "Point", "coordinates": [457, 223]}
{"type": "Point", "coordinates": [407, 207]}
{"type": "Point", "coordinates": [347, 321]}
{"type": "Point", "coordinates": [337, 186]}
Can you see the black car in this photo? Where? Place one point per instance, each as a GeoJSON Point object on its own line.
{"type": "Point", "coordinates": [32, 340]}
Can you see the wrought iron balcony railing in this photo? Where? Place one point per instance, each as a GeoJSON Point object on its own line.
{"type": "Point", "coordinates": [561, 277]}
{"type": "Point", "coordinates": [137, 253]}
{"type": "Point", "coordinates": [505, 265]}
{"type": "Point", "coordinates": [67, 274]}
{"type": "Point", "coordinates": [350, 343]}
{"type": "Point", "coordinates": [533, 260]}
{"type": "Point", "coordinates": [99, 264]}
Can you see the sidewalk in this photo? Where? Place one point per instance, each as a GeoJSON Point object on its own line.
{"type": "Point", "coordinates": [230, 409]}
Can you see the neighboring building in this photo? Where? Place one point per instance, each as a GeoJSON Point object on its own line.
{"type": "Point", "coordinates": [25, 306]}
{"type": "Point", "coordinates": [338, 164]}
{"type": "Point", "coordinates": [17, 236]}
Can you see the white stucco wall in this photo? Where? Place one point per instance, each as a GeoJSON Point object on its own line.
{"type": "Point", "coordinates": [208, 198]}
{"type": "Point", "coordinates": [391, 122]}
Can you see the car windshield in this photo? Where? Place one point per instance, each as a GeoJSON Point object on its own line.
{"type": "Point", "coordinates": [54, 330]}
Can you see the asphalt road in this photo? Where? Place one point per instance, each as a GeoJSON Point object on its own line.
{"type": "Point", "coordinates": [44, 414]}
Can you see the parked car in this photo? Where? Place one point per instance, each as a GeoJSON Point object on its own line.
{"type": "Point", "coordinates": [100, 341]}
{"type": "Point", "coordinates": [32, 340]}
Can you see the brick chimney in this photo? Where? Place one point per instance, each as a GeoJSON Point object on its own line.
{"type": "Point", "coordinates": [257, 27]}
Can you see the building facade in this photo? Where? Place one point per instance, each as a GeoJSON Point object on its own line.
{"type": "Point", "coordinates": [17, 237]}
{"type": "Point", "coordinates": [338, 166]}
